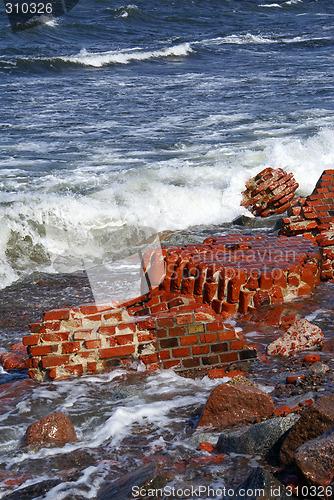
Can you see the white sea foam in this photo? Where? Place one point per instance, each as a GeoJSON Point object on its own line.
{"type": "Point", "coordinates": [55, 231]}
{"type": "Point", "coordinates": [98, 59]}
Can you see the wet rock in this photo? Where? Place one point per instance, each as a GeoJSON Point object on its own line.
{"type": "Point", "coordinates": [315, 459]}
{"type": "Point", "coordinates": [328, 345]}
{"type": "Point", "coordinates": [34, 490]}
{"type": "Point", "coordinates": [260, 484]}
{"type": "Point", "coordinates": [317, 419]}
{"type": "Point", "coordinates": [144, 478]}
{"type": "Point", "coordinates": [235, 404]}
{"type": "Point", "coordinates": [55, 428]}
{"type": "Point", "coordinates": [258, 439]}
{"type": "Point", "coordinates": [319, 368]}
{"type": "Point", "coordinates": [301, 335]}
{"type": "Point", "coordinates": [269, 192]}
{"type": "Point", "coordinates": [200, 437]}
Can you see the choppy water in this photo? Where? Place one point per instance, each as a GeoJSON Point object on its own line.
{"type": "Point", "coordinates": [154, 114]}
{"type": "Point", "coordinates": [118, 121]}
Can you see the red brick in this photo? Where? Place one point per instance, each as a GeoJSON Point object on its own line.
{"type": "Point", "coordinates": [184, 319]}
{"type": "Point", "coordinates": [149, 358]}
{"type": "Point", "coordinates": [40, 350]}
{"type": "Point", "coordinates": [74, 369]}
{"type": "Point", "coordinates": [52, 325]}
{"type": "Point", "coordinates": [165, 321]}
{"type": "Point", "coordinates": [171, 364]}
{"type": "Point", "coordinates": [145, 337]}
{"type": "Point", "coordinates": [191, 362]}
{"type": "Point", "coordinates": [266, 281]}
{"type": "Point", "coordinates": [57, 314]}
{"type": "Point", "coordinates": [117, 316]}
{"type": "Point", "coordinates": [188, 284]}
{"type": "Point", "coordinates": [209, 291]}
{"type": "Point", "coordinates": [167, 343]}
{"type": "Point", "coordinates": [69, 347]}
{"type": "Point", "coordinates": [215, 326]}
{"type": "Point", "coordinates": [31, 363]}
{"type": "Point", "coordinates": [228, 357]}
{"type": "Point", "coordinates": [82, 334]}
{"type": "Point", "coordinates": [146, 324]}
{"type": "Point", "coordinates": [208, 337]}
{"type": "Point", "coordinates": [226, 335]}
{"type": "Point", "coordinates": [37, 328]}
{"type": "Point", "coordinates": [91, 366]}
{"type": "Point", "coordinates": [177, 331]}
{"type": "Point", "coordinates": [51, 361]}
{"type": "Point", "coordinates": [164, 355]}
{"type": "Point", "coordinates": [230, 308]}
{"type": "Point", "coordinates": [93, 344]}
{"type": "Point", "coordinates": [221, 347]}
{"type": "Point", "coordinates": [181, 352]}
{"type": "Point", "coordinates": [237, 345]}
{"type": "Point", "coordinates": [210, 360]}
{"type": "Point", "coordinates": [200, 349]}
{"type": "Point", "coordinates": [124, 339]}
{"type": "Point", "coordinates": [107, 330]}
{"type": "Point", "coordinates": [31, 374]}
{"type": "Point", "coordinates": [175, 302]}
{"type": "Point", "coordinates": [112, 352]}
{"type": "Point", "coordinates": [126, 326]}
{"type": "Point", "coordinates": [31, 340]}
{"type": "Point", "coordinates": [87, 354]}
{"type": "Point", "coordinates": [189, 340]}
{"type": "Point", "coordinates": [55, 337]}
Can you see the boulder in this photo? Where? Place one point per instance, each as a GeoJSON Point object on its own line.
{"type": "Point", "coordinates": [301, 335]}
{"type": "Point", "coordinates": [55, 428]}
{"type": "Point", "coordinates": [257, 439]}
{"type": "Point", "coordinates": [328, 345]}
{"type": "Point", "coordinates": [316, 419]}
{"type": "Point", "coordinates": [315, 459]}
{"type": "Point", "coordinates": [260, 484]}
{"type": "Point", "coordinates": [235, 404]}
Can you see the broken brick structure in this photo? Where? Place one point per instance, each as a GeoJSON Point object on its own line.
{"type": "Point", "coordinates": [313, 218]}
{"type": "Point", "coordinates": [180, 324]}
{"type": "Point", "coordinates": [193, 290]}
{"type": "Point", "coordinates": [270, 192]}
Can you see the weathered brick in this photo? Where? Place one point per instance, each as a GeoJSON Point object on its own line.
{"type": "Point", "coordinates": [111, 352]}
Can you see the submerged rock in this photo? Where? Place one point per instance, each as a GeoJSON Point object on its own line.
{"type": "Point", "coordinates": [260, 484]}
{"type": "Point", "coordinates": [315, 459]}
{"type": "Point", "coordinates": [317, 419]}
{"type": "Point", "coordinates": [130, 485]}
{"type": "Point", "coordinates": [55, 428]}
{"type": "Point", "coordinates": [258, 439]}
{"type": "Point", "coordinates": [235, 404]}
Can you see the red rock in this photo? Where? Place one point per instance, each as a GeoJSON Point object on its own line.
{"type": "Point", "coordinates": [311, 358]}
{"type": "Point", "coordinates": [55, 428]}
{"type": "Point", "coordinates": [204, 446]}
{"type": "Point", "coordinates": [316, 419]}
{"type": "Point", "coordinates": [328, 346]}
{"type": "Point", "coordinates": [301, 335]}
{"type": "Point", "coordinates": [292, 379]}
{"type": "Point", "coordinates": [315, 459]}
{"type": "Point", "coordinates": [234, 404]}
{"type": "Point", "coordinates": [221, 373]}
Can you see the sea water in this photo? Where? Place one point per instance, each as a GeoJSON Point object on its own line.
{"type": "Point", "coordinates": [121, 121]}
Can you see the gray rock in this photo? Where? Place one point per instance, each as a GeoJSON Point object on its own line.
{"type": "Point", "coordinates": [258, 439]}
{"type": "Point", "coordinates": [200, 437]}
{"type": "Point", "coordinates": [260, 484]}
{"type": "Point", "coordinates": [122, 488]}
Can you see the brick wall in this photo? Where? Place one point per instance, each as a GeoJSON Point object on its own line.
{"type": "Point", "coordinates": [180, 325]}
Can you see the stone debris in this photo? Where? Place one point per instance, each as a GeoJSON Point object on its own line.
{"type": "Point", "coordinates": [315, 459]}
{"type": "Point", "coordinates": [301, 335]}
{"type": "Point", "coordinates": [316, 419]}
{"type": "Point", "coordinates": [270, 192]}
{"type": "Point", "coordinates": [229, 405]}
{"type": "Point", "coordinates": [55, 428]}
